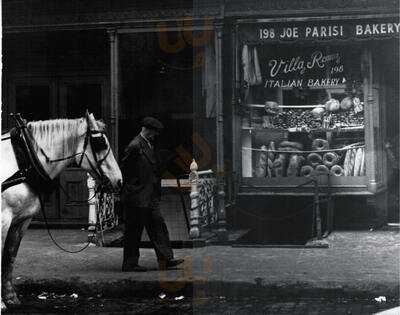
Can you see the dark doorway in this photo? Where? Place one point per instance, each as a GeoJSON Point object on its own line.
{"type": "Point", "coordinates": [33, 101]}
{"type": "Point", "coordinates": [156, 82]}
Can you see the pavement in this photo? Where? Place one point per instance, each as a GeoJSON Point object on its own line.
{"type": "Point", "coordinates": [359, 263]}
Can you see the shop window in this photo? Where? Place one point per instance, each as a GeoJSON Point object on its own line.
{"type": "Point", "coordinates": [302, 111]}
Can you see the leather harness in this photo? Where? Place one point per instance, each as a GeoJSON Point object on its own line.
{"type": "Point", "coordinates": [30, 168]}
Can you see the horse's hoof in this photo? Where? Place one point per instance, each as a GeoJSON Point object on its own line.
{"type": "Point", "coordinates": [3, 307]}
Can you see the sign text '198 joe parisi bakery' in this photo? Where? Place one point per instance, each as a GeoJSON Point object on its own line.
{"type": "Point", "coordinates": [320, 30]}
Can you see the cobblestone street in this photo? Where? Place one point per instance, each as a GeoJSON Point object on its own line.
{"type": "Point", "coordinates": [345, 278]}
{"type": "Point", "coordinates": [215, 305]}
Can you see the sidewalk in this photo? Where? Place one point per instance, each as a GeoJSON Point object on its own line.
{"type": "Point", "coordinates": [356, 263]}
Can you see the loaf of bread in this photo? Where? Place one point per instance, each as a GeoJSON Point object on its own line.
{"type": "Point", "coordinates": [362, 169]}
{"type": "Point", "coordinates": [271, 158]}
{"type": "Point", "coordinates": [262, 163]}
{"type": "Point", "coordinates": [348, 165]}
{"type": "Point", "coordinates": [337, 170]}
{"type": "Point", "coordinates": [291, 144]}
{"type": "Point", "coordinates": [314, 159]}
{"type": "Point", "coordinates": [295, 163]}
{"type": "Point", "coordinates": [279, 165]}
{"type": "Point", "coordinates": [320, 144]}
{"type": "Point", "coordinates": [357, 162]}
{"type": "Point", "coordinates": [306, 170]}
{"type": "Point", "coordinates": [352, 160]}
{"type": "Point", "coordinates": [330, 158]}
{"type": "Point", "coordinates": [321, 169]}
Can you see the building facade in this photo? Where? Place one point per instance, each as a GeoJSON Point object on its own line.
{"type": "Point", "coordinates": [262, 92]}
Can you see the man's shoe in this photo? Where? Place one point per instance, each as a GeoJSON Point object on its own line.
{"type": "Point", "coordinates": [166, 264]}
{"type": "Point", "coordinates": [135, 268]}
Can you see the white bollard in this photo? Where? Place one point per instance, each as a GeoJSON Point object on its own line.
{"type": "Point", "coordinates": [92, 202]}
{"type": "Point", "coordinates": [194, 201]}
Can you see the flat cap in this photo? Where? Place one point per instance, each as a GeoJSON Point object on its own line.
{"type": "Point", "coordinates": [152, 123]}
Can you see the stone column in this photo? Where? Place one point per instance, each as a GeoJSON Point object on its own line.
{"type": "Point", "coordinates": [222, 233]}
{"type": "Point", "coordinates": [369, 103]}
{"type": "Point", "coordinates": [114, 89]}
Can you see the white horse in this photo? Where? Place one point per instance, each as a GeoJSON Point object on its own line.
{"type": "Point", "coordinates": [58, 143]}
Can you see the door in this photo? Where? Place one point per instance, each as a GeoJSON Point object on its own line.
{"type": "Point", "coordinates": [75, 97]}
{"type": "Point", "coordinates": [34, 98]}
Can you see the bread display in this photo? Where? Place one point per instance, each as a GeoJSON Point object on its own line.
{"type": "Point", "coordinates": [332, 115]}
{"type": "Point", "coordinates": [306, 131]}
{"type": "Point", "coordinates": [313, 140]}
{"type": "Point", "coordinates": [289, 161]}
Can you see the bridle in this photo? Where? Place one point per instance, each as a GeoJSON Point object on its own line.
{"type": "Point", "coordinates": [97, 141]}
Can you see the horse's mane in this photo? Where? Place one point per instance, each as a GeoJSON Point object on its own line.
{"type": "Point", "coordinates": [48, 133]}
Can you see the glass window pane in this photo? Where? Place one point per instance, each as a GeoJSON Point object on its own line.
{"type": "Point", "coordinates": [303, 111]}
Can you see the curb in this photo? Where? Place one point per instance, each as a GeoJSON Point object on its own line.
{"type": "Point", "coordinates": [151, 289]}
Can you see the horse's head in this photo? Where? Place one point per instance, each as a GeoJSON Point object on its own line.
{"type": "Point", "coordinates": [100, 160]}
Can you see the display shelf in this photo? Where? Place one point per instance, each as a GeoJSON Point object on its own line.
{"type": "Point", "coordinates": [301, 130]}
{"type": "Point", "coordinates": [286, 106]}
{"type": "Point", "coordinates": [293, 186]}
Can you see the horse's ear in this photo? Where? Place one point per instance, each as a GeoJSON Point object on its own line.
{"type": "Point", "coordinates": [87, 114]}
{"type": "Point", "coordinates": [92, 121]}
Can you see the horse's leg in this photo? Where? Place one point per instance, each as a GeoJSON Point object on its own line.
{"type": "Point", "coordinates": [6, 219]}
{"type": "Point", "coordinates": [11, 246]}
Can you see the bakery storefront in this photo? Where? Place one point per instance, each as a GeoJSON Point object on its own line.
{"type": "Point", "coordinates": [317, 100]}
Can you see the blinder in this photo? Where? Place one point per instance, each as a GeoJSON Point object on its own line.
{"type": "Point", "coordinates": [98, 141]}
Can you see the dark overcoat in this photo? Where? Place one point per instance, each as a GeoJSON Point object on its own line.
{"type": "Point", "coordinates": [141, 173]}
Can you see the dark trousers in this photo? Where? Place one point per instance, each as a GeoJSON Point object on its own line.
{"type": "Point", "coordinates": [137, 218]}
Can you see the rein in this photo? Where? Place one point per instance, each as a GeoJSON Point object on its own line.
{"type": "Point", "coordinates": [51, 235]}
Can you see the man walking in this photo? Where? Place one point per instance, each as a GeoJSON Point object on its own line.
{"type": "Point", "coordinates": [141, 197]}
